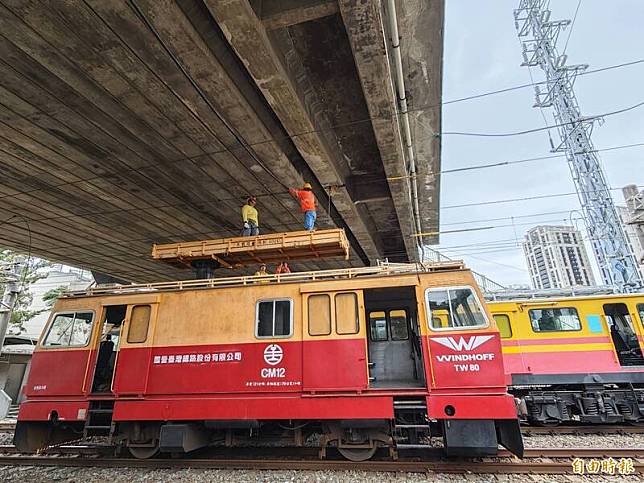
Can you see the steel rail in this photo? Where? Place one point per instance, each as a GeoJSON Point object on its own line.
{"type": "Point", "coordinates": [607, 429]}
{"type": "Point", "coordinates": [563, 465]}
{"type": "Point", "coordinates": [524, 466]}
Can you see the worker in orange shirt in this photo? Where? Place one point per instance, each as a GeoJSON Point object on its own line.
{"type": "Point", "coordinates": [307, 203]}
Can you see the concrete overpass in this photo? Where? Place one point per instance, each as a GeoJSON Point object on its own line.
{"type": "Point", "coordinates": [128, 122]}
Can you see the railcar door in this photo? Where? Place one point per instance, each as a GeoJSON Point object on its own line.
{"type": "Point", "coordinates": [395, 349]}
{"type": "Point", "coordinates": [623, 335]}
{"type": "Point", "coordinates": [134, 356]}
{"type": "Point", "coordinates": [334, 346]}
{"type": "Point", "coordinates": [61, 359]}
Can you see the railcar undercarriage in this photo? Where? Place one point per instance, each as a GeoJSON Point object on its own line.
{"type": "Point", "coordinates": [551, 406]}
{"type": "Point", "coordinates": [355, 440]}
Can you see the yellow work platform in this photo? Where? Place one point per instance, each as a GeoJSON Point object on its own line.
{"type": "Point", "coordinates": [251, 250]}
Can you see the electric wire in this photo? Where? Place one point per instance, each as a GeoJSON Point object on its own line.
{"type": "Point", "coordinates": [572, 25]}
{"type": "Point", "coordinates": [545, 128]}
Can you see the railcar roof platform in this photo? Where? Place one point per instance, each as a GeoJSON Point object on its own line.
{"type": "Point", "coordinates": [238, 252]}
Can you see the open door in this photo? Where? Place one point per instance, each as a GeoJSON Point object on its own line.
{"type": "Point", "coordinates": [395, 349]}
{"type": "Point", "coordinates": [334, 347]}
{"type": "Point", "coordinates": [623, 335]}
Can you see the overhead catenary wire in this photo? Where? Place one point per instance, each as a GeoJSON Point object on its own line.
{"type": "Point", "coordinates": [545, 128]}
{"type": "Point", "coordinates": [572, 25]}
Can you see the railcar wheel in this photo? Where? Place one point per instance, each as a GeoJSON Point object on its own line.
{"type": "Point", "coordinates": [358, 454]}
{"type": "Point", "coordinates": [143, 452]}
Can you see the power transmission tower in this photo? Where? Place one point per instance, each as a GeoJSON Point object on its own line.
{"type": "Point", "coordinates": [539, 35]}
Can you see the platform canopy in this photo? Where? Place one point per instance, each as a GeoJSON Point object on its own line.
{"type": "Point", "coordinates": [252, 250]}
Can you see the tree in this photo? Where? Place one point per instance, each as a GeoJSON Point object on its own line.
{"type": "Point", "coordinates": [50, 296]}
{"type": "Point", "coordinates": [32, 271]}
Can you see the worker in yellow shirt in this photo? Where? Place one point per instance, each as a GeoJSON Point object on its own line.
{"type": "Point", "coordinates": [250, 218]}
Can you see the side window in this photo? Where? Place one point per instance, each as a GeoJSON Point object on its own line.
{"type": "Point", "coordinates": [319, 314]}
{"type": "Point", "coordinates": [378, 326]}
{"type": "Point", "coordinates": [503, 323]}
{"type": "Point", "coordinates": [554, 320]}
{"type": "Point", "coordinates": [274, 318]}
{"type": "Point", "coordinates": [346, 313]}
{"type": "Point", "coordinates": [459, 307]}
{"type": "Point", "coordinates": [640, 311]}
{"type": "Point", "coordinates": [139, 323]}
{"type": "Point", "coordinates": [398, 325]}
{"type": "Point", "coordinates": [72, 329]}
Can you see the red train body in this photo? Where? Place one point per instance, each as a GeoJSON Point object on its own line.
{"type": "Point", "coordinates": [347, 354]}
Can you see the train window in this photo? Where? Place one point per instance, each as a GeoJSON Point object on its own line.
{"type": "Point", "coordinates": [459, 306]}
{"type": "Point", "coordinates": [139, 323]}
{"type": "Point", "coordinates": [319, 314]}
{"type": "Point", "coordinates": [73, 329]}
{"type": "Point", "coordinates": [398, 325]}
{"type": "Point", "coordinates": [503, 323]}
{"type": "Point", "coordinates": [274, 318]}
{"type": "Point", "coordinates": [554, 320]}
{"type": "Point", "coordinates": [640, 311]}
{"type": "Point", "coordinates": [378, 326]}
{"type": "Point", "coordinates": [346, 313]}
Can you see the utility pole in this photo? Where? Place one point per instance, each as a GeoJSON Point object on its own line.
{"type": "Point", "coordinates": [539, 35]}
{"type": "Point", "coordinates": [11, 291]}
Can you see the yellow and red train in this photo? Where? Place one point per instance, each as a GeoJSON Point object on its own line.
{"type": "Point", "coordinates": [348, 354]}
{"type": "Point", "coordinates": [574, 358]}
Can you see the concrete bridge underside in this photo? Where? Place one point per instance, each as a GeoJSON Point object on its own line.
{"type": "Point", "coordinates": [129, 122]}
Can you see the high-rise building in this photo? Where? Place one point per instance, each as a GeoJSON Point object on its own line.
{"type": "Point", "coordinates": [633, 236]}
{"type": "Point", "coordinates": [556, 257]}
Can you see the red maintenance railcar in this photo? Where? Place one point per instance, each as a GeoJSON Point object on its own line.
{"type": "Point", "coordinates": [348, 354]}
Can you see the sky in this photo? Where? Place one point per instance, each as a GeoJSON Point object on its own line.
{"type": "Point", "coordinates": [482, 53]}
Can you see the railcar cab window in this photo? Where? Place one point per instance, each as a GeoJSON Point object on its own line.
{"type": "Point", "coordinates": [399, 327]}
{"type": "Point", "coordinates": [378, 326]}
{"type": "Point", "coordinates": [554, 319]}
{"type": "Point", "coordinates": [640, 311]}
{"type": "Point", "coordinates": [70, 330]}
{"type": "Point", "coordinates": [274, 318]}
{"type": "Point", "coordinates": [454, 308]}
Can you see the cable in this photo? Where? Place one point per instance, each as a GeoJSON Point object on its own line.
{"type": "Point", "coordinates": [546, 128]}
{"type": "Point", "coordinates": [539, 197]}
{"type": "Point", "coordinates": [572, 25]}
{"type": "Point", "coordinates": [485, 220]}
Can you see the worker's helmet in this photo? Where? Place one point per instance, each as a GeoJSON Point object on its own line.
{"type": "Point", "coordinates": [307, 186]}
{"type": "Point", "coordinates": [251, 199]}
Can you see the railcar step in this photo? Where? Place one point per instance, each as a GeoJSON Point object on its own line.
{"type": "Point", "coordinates": [98, 427]}
{"type": "Point", "coordinates": [410, 407]}
{"type": "Point", "coordinates": [404, 426]}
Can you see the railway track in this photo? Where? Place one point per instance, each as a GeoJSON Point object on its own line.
{"type": "Point", "coordinates": [608, 429]}
{"type": "Point", "coordinates": [7, 426]}
{"type": "Point", "coordinates": [536, 460]}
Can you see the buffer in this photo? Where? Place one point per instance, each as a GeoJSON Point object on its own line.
{"type": "Point", "coordinates": [242, 251]}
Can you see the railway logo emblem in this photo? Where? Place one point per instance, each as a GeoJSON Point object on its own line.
{"type": "Point", "coordinates": [462, 344]}
{"type": "Point", "coordinates": [273, 354]}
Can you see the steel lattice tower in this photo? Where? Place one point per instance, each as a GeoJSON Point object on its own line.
{"type": "Point", "coordinates": [539, 35]}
